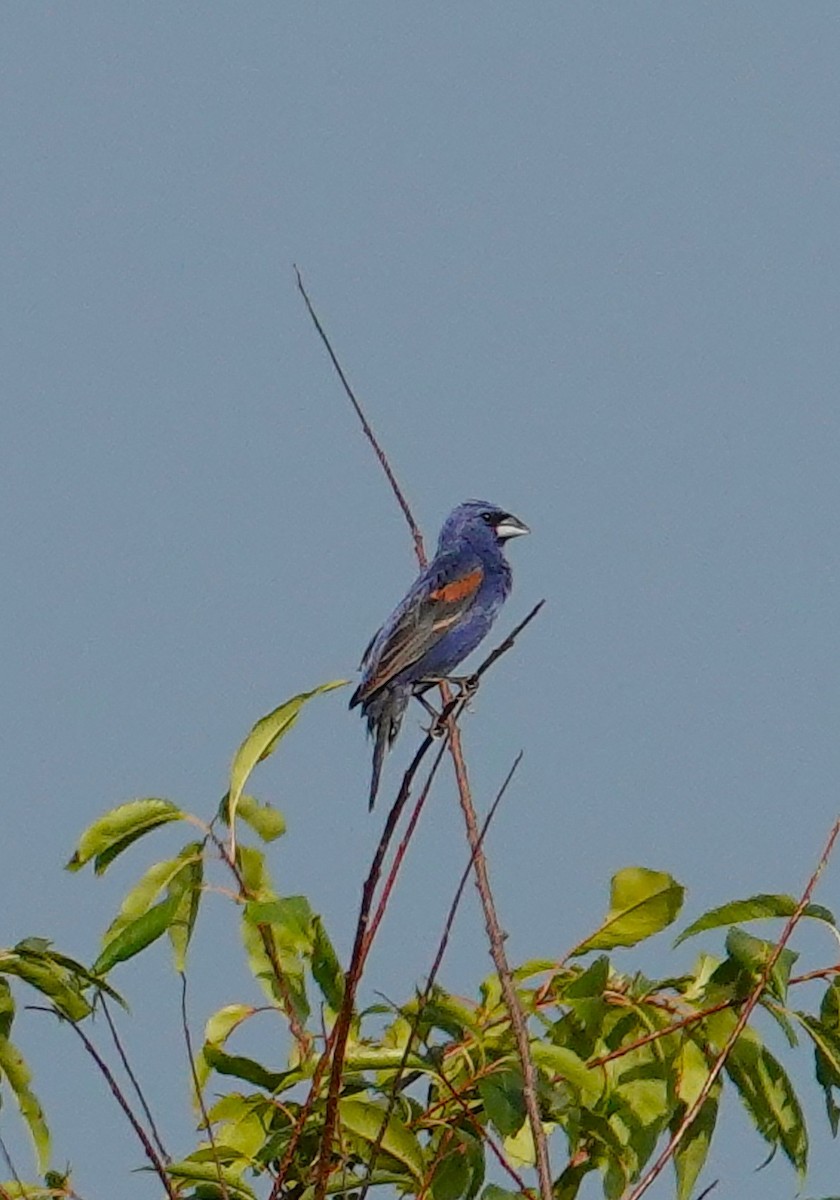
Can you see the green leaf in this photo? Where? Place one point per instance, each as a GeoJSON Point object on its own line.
{"type": "Point", "coordinates": [139, 899]}
{"type": "Point", "coordinates": [365, 1120]}
{"type": "Point", "coordinates": [752, 955]}
{"type": "Point", "coordinates": [642, 902]}
{"type": "Point", "coordinates": [827, 1063]}
{"type": "Point", "coordinates": [186, 886]}
{"type": "Point", "coordinates": [138, 935]}
{"type": "Point", "coordinates": [504, 1100]}
{"type": "Point", "coordinates": [385, 1058]}
{"type": "Point", "coordinates": [326, 969]}
{"type": "Point", "coordinates": [692, 1152]}
{"type": "Point", "coordinates": [587, 1082]}
{"type": "Point", "coordinates": [106, 838]}
{"type": "Point", "coordinates": [257, 937]}
{"type": "Point", "coordinates": [755, 908]}
{"type": "Point", "coordinates": [42, 972]}
{"type": "Point", "coordinates": [263, 740]}
{"type": "Point", "coordinates": [18, 1076]}
{"type": "Point", "coordinates": [243, 1068]}
{"type": "Point", "coordinates": [265, 820]}
{"type": "Point", "coordinates": [769, 1097]}
{"type": "Point", "coordinates": [494, 1192]}
{"type": "Point", "coordinates": [452, 1175]}
{"type": "Point", "coordinates": [199, 1172]}
{"type": "Point", "coordinates": [290, 918]}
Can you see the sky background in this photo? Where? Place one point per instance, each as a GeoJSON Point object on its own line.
{"type": "Point", "coordinates": [580, 260]}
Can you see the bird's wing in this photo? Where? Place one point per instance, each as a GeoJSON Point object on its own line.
{"type": "Point", "coordinates": [436, 602]}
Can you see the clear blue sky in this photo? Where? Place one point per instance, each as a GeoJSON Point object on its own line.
{"type": "Point", "coordinates": [581, 260]}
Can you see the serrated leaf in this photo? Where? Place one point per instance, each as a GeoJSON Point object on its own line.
{"type": "Point", "coordinates": [769, 1097]}
{"type": "Point", "coordinates": [13, 1067]}
{"type": "Point", "coordinates": [452, 1174]}
{"type": "Point", "coordinates": [827, 1062]}
{"type": "Point", "coordinates": [292, 984]}
{"type": "Point", "coordinates": [241, 1067]}
{"type": "Point", "coordinates": [263, 740]}
{"type": "Point", "coordinates": [326, 969]}
{"type": "Point", "coordinates": [41, 972]}
{"type": "Point", "coordinates": [265, 820]}
{"type": "Point", "coordinates": [148, 888]}
{"type": "Point", "coordinates": [186, 886]}
{"type": "Point", "coordinates": [642, 902]}
{"type": "Point", "coordinates": [692, 1152]}
{"type": "Point", "coordinates": [138, 935]}
{"type": "Point", "coordinates": [494, 1192]}
{"type": "Point", "coordinates": [587, 1082]}
{"type": "Point", "coordinates": [754, 908]}
{"type": "Point", "coordinates": [107, 837]}
{"type": "Point", "coordinates": [198, 1172]}
{"type": "Point", "coordinates": [365, 1120]}
{"type": "Point", "coordinates": [752, 954]}
{"type": "Point", "coordinates": [504, 1101]}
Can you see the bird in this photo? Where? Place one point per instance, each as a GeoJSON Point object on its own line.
{"type": "Point", "coordinates": [442, 618]}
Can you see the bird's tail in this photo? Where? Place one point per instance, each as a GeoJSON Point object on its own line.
{"type": "Point", "coordinates": [384, 713]}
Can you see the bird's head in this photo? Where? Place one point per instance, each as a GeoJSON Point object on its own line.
{"type": "Point", "coordinates": [480, 523]}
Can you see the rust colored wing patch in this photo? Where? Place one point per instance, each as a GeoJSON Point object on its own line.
{"type": "Point", "coordinates": [459, 589]}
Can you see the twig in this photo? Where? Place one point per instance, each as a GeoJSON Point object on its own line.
{"type": "Point", "coordinates": [127, 1068]}
{"type": "Point", "coordinates": [480, 867]}
{"type": "Point", "coordinates": [402, 848]}
{"type": "Point", "coordinates": [300, 1034]}
{"type": "Point", "coordinates": [496, 937]}
{"type": "Point", "coordinates": [416, 535]}
{"type": "Point", "coordinates": [24, 1191]}
{"type": "Point", "coordinates": [351, 980]}
{"type": "Point", "coordinates": [750, 1003]}
{"type": "Point", "coordinates": [423, 999]}
{"type": "Point", "coordinates": [185, 1025]}
{"type": "Point", "coordinates": [151, 1153]}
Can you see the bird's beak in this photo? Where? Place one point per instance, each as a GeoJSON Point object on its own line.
{"type": "Point", "coordinates": [510, 527]}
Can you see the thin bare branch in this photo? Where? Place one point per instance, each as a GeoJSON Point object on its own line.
{"type": "Point", "coordinates": [150, 1151]}
{"type": "Point", "coordinates": [496, 937]}
{"type": "Point", "coordinates": [749, 1004]}
{"type": "Point", "coordinates": [480, 867]}
{"type": "Point", "coordinates": [10, 1167]}
{"type": "Point", "coordinates": [423, 999]}
{"type": "Point", "coordinates": [416, 535]}
{"type": "Point", "coordinates": [299, 1033]}
{"type": "Point", "coordinates": [185, 1026]}
{"type": "Point", "coordinates": [130, 1073]}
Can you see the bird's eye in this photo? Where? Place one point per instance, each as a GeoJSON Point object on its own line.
{"type": "Point", "coordinates": [487, 518]}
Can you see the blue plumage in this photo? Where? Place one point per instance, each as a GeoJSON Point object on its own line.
{"type": "Point", "coordinates": [445, 614]}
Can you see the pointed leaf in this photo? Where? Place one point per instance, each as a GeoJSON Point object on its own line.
{"type": "Point", "coordinates": [199, 1172]}
{"type": "Point", "coordinates": [504, 1101]}
{"type": "Point", "coordinates": [642, 902]}
{"type": "Point", "coordinates": [186, 886]}
{"type": "Point", "coordinates": [588, 1082]}
{"type": "Point", "coordinates": [753, 954]}
{"type": "Point", "coordinates": [265, 820]}
{"type": "Point", "coordinates": [365, 1120]}
{"type": "Point", "coordinates": [18, 1075]}
{"type": "Point", "coordinates": [113, 833]}
{"type": "Point", "coordinates": [41, 972]}
{"type": "Point", "coordinates": [243, 1068]}
{"type": "Point", "coordinates": [692, 1152]}
{"type": "Point", "coordinates": [752, 909]}
{"type": "Point", "coordinates": [326, 969]}
{"type": "Point", "coordinates": [138, 935]}
{"type": "Point", "coordinates": [144, 893]}
{"type": "Point", "coordinates": [263, 740]}
{"type": "Point", "coordinates": [769, 1097]}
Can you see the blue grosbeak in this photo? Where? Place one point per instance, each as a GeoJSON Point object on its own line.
{"type": "Point", "coordinates": [444, 616]}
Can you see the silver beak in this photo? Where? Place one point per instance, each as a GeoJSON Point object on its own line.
{"type": "Point", "coordinates": [510, 527]}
